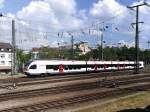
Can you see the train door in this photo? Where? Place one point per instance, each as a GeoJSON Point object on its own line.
{"type": "Point", "coordinates": [42, 68]}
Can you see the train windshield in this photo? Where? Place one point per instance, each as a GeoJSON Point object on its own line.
{"type": "Point", "coordinates": [28, 63]}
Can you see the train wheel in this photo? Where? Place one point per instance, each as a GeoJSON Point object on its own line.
{"type": "Point", "coordinates": [43, 74]}
{"type": "Point", "coordinates": [28, 75]}
{"type": "Point", "coordinates": [49, 74]}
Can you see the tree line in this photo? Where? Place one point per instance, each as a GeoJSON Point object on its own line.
{"type": "Point", "coordinates": [109, 54]}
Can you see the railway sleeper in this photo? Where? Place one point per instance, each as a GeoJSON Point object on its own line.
{"type": "Point", "coordinates": [109, 84]}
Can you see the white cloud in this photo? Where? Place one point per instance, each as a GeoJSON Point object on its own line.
{"type": "Point", "coordinates": [1, 3]}
{"type": "Point", "coordinates": [50, 16]}
{"type": "Point", "coordinates": [110, 11]}
{"type": "Point", "coordinates": [127, 44]}
{"type": "Point", "coordinates": [144, 16]}
{"type": "Point", "coordinates": [55, 13]}
{"type": "Point", "coordinates": [38, 11]}
{"type": "Point", "coordinates": [107, 8]}
{"type": "Point", "coordinates": [62, 7]}
{"type": "Point", "coordinates": [63, 15]}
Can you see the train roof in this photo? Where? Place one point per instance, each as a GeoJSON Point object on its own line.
{"type": "Point", "coordinates": [78, 61]}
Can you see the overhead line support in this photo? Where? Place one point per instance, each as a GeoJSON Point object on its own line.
{"type": "Point", "coordinates": [137, 35]}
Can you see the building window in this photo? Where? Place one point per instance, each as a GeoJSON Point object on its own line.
{"type": "Point", "coordinates": [2, 49]}
{"type": "Point", "coordinates": [9, 56]}
{"type": "Point", "coordinates": [8, 49]}
{"type": "Point", "coordinates": [2, 62]}
{"type": "Point", "coordinates": [9, 62]}
{"type": "Point", "coordinates": [2, 55]}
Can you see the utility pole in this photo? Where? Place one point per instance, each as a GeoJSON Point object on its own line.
{"type": "Point", "coordinates": [72, 45]}
{"type": "Point", "coordinates": [59, 56]}
{"type": "Point", "coordinates": [148, 45]}
{"type": "Point", "coordinates": [137, 35]}
{"type": "Point", "coordinates": [13, 49]}
{"type": "Point", "coordinates": [13, 53]}
{"type": "Point", "coordinates": [102, 46]}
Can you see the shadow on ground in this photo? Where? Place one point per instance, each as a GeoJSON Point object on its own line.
{"type": "Point", "coordinates": [147, 109]}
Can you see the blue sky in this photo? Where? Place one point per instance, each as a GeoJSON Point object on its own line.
{"type": "Point", "coordinates": [78, 14]}
{"type": "Point", "coordinates": [85, 4]}
{"type": "Point", "coordinates": [12, 6]}
{"type": "Point", "coordinates": [15, 5]}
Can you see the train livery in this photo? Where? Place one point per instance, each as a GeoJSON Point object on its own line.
{"type": "Point", "coordinates": [43, 67]}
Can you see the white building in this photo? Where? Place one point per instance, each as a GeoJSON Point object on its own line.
{"type": "Point", "coordinates": [84, 47]}
{"type": "Point", "coordinates": [122, 43]}
{"type": "Point", "coordinates": [35, 52]}
{"type": "Point", "coordinates": [5, 56]}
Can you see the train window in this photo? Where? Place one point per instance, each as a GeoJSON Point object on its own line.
{"type": "Point", "coordinates": [110, 65]}
{"type": "Point", "coordinates": [70, 67]}
{"type": "Point", "coordinates": [66, 67]}
{"type": "Point", "coordinates": [106, 66]}
{"type": "Point", "coordinates": [75, 66]}
{"type": "Point", "coordinates": [83, 66]}
{"type": "Point", "coordinates": [28, 63]}
{"type": "Point", "coordinates": [100, 66]}
{"type": "Point", "coordinates": [92, 66]}
{"type": "Point", "coordinates": [33, 67]}
{"type": "Point", "coordinates": [79, 66]}
{"type": "Point", "coordinates": [55, 67]}
{"type": "Point", "coordinates": [88, 66]}
{"type": "Point", "coordinates": [49, 66]}
{"type": "Point", "coordinates": [130, 65]}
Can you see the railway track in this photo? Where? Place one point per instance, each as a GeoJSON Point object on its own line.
{"type": "Point", "coordinates": [76, 77]}
{"type": "Point", "coordinates": [72, 88]}
{"type": "Point", "coordinates": [60, 77]}
{"type": "Point", "coordinates": [81, 78]}
{"type": "Point", "coordinates": [78, 99]}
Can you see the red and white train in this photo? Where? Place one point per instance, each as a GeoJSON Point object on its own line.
{"type": "Point", "coordinates": [42, 67]}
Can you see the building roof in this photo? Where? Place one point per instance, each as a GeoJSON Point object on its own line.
{"type": "Point", "coordinates": [35, 49]}
{"type": "Point", "coordinates": [5, 47]}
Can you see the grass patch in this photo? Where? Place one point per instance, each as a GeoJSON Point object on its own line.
{"type": "Point", "coordinates": [4, 75]}
{"type": "Point", "coordinates": [131, 102]}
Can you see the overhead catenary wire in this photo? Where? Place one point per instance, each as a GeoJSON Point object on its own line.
{"type": "Point", "coordinates": [41, 23]}
{"type": "Point", "coordinates": [82, 31]}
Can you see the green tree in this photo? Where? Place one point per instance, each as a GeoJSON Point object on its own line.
{"type": "Point", "coordinates": [48, 53]}
{"type": "Point", "coordinates": [22, 58]}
